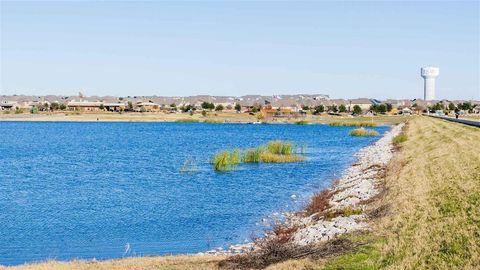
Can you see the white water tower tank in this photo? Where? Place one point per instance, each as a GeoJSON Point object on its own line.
{"type": "Point", "coordinates": [429, 75]}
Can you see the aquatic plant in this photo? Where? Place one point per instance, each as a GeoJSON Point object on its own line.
{"type": "Point", "coordinates": [353, 124]}
{"type": "Point", "coordinates": [268, 157]}
{"type": "Point", "coordinates": [280, 147]}
{"type": "Point", "coordinates": [226, 160]}
{"type": "Point", "coordinates": [189, 165]}
{"type": "Point", "coordinates": [361, 132]}
{"type": "Point", "coordinates": [253, 155]}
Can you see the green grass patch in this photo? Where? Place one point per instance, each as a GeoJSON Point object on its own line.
{"type": "Point", "coordinates": [400, 138]}
{"type": "Point", "coordinates": [272, 152]}
{"type": "Point", "coordinates": [302, 122]}
{"type": "Point", "coordinates": [361, 132]}
{"type": "Point", "coordinates": [226, 160]}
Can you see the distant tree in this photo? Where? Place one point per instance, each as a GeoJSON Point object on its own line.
{"type": "Point", "coordinates": [382, 108]}
{"type": "Point", "coordinates": [238, 107]}
{"type": "Point", "coordinates": [173, 107]}
{"type": "Point", "coordinates": [219, 108]}
{"type": "Point", "coordinates": [188, 108]}
{"type": "Point", "coordinates": [305, 108]}
{"type": "Point", "coordinates": [34, 110]}
{"type": "Point", "coordinates": [54, 106]}
{"type": "Point", "coordinates": [318, 109]}
{"type": "Point", "coordinates": [389, 107]}
{"type": "Point", "coordinates": [205, 105]}
{"type": "Point", "coordinates": [130, 106]}
{"type": "Point", "coordinates": [254, 109]}
{"type": "Point", "coordinates": [437, 106]}
{"type": "Point", "coordinates": [120, 98]}
{"type": "Point", "coordinates": [357, 110]}
{"type": "Point", "coordinates": [102, 107]}
{"type": "Point", "coordinates": [62, 107]}
{"type": "Point", "coordinates": [211, 106]}
{"type": "Point", "coordinates": [451, 106]}
{"type": "Point", "coordinates": [342, 108]}
{"type": "Point", "coordinates": [204, 113]}
{"type": "Point", "coordinates": [333, 108]}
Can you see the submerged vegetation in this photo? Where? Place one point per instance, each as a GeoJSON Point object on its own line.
{"type": "Point", "coordinates": [189, 165]}
{"type": "Point", "coordinates": [361, 132]}
{"type": "Point", "coordinates": [353, 124]}
{"type": "Point", "coordinates": [272, 152]}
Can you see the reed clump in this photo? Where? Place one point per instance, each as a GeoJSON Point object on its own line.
{"type": "Point", "coordinates": [353, 124]}
{"type": "Point", "coordinates": [226, 160]}
{"type": "Point", "coordinates": [361, 132]}
{"type": "Point", "coordinates": [272, 152]}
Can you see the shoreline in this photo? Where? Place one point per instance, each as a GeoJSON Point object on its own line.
{"type": "Point", "coordinates": [351, 193]}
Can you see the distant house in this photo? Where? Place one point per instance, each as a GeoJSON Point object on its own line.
{"type": "Point", "coordinates": [8, 105]}
{"type": "Point", "coordinates": [115, 106]}
{"type": "Point", "coordinates": [269, 112]}
{"type": "Point", "coordinates": [363, 103]}
{"type": "Point", "coordinates": [85, 106]}
{"type": "Point", "coordinates": [148, 106]}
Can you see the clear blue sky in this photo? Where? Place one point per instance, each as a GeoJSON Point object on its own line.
{"type": "Point", "coordinates": [344, 49]}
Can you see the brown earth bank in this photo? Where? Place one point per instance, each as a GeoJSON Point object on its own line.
{"type": "Point", "coordinates": [212, 117]}
{"type": "Point", "coordinates": [425, 216]}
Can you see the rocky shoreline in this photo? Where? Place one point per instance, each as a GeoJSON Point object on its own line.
{"type": "Point", "coordinates": [347, 201]}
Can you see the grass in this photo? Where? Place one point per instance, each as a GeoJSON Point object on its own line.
{"type": "Point", "coordinates": [272, 152]}
{"type": "Point", "coordinates": [226, 160]}
{"type": "Point", "coordinates": [353, 124]}
{"type": "Point", "coordinates": [361, 132]}
{"type": "Point", "coordinates": [187, 120]}
{"type": "Point", "coordinates": [400, 138]}
{"type": "Point", "coordinates": [280, 147]}
{"type": "Point", "coordinates": [302, 122]}
{"type": "Point", "coordinates": [433, 196]}
{"type": "Point", "coordinates": [253, 155]}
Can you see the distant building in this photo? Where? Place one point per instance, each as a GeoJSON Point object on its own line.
{"type": "Point", "coordinates": [85, 106]}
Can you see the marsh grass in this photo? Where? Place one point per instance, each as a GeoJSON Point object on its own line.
{"type": "Point", "coordinates": [280, 147]}
{"type": "Point", "coordinates": [226, 160]}
{"type": "Point", "coordinates": [253, 155]}
{"type": "Point", "coordinates": [361, 132]}
{"type": "Point", "coordinates": [353, 124]}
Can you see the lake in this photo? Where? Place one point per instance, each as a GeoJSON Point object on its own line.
{"type": "Point", "coordinates": [109, 190]}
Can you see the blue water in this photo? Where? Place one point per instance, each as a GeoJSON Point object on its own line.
{"type": "Point", "coordinates": [89, 190]}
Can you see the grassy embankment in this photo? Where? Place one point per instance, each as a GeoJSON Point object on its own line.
{"type": "Point", "coordinates": [427, 216]}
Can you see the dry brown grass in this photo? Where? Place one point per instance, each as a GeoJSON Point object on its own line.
{"type": "Point", "coordinates": [319, 202]}
{"type": "Point", "coordinates": [140, 263]}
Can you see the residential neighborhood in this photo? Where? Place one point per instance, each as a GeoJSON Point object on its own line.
{"type": "Point", "coordinates": [277, 106]}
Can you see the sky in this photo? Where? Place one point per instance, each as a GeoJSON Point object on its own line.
{"type": "Point", "coordinates": [342, 49]}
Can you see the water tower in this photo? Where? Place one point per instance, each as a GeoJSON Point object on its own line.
{"type": "Point", "coordinates": [429, 74]}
